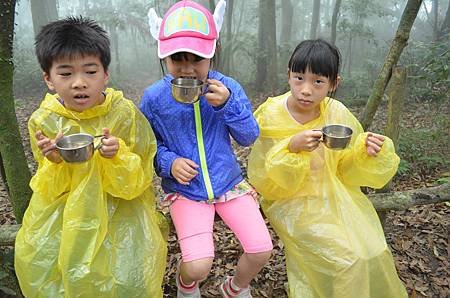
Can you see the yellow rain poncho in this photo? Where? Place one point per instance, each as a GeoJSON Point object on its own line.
{"type": "Point", "coordinates": [91, 229]}
{"type": "Point", "coordinates": [334, 242]}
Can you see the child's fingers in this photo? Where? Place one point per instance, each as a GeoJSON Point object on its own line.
{"type": "Point", "coordinates": [372, 148]}
{"type": "Point", "coordinates": [378, 137]}
{"type": "Point", "coordinates": [111, 141]}
{"type": "Point", "coordinates": [316, 133]}
{"type": "Point", "coordinates": [189, 172]}
{"type": "Point", "coordinates": [372, 152]}
{"type": "Point", "coordinates": [180, 179]}
{"type": "Point", "coordinates": [185, 176]}
{"type": "Point", "coordinates": [191, 163]}
{"type": "Point", "coordinates": [214, 83]}
{"type": "Point", "coordinates": [106, 132]}
{"type": "Point", "coordinates": [39, 135]}
{"type": "Point", "coordinates": [59, 136]}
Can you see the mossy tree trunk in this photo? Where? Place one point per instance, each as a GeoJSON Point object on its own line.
{"type": "Point", "coordinates": [397, 93]}
{"type": "Point", "coordinates": [11, 149]}
{"type": "Point", "coordinates": [397, 46]}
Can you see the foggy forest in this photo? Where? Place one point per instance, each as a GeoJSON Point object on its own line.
{"type": "Point", "coordinates": [395, 80]}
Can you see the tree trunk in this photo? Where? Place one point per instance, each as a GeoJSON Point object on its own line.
{"type": "Point", "coordinates": [3, 175]}
{"type": "Point", "coordinates": [287, 12]}
{"type": "Point", "coordinates": [435, 16]}
{"type": "Point", "coordinates": [399, 200]}
{"type": "Point", "coordinates": [399, 42]}
{"type": "Point", "coordinates": [11, 148]}
{"type": "Point", "coordinates": [334, 21]}
{"type": "Point", "coordinates": [8, 234]}
{"type": "Point", "coordinates": [212, 5]}
{"type": "Point", "coordinates": [227, 57]}
{"type": "Point", "coordinates": [42, 13]}
{"type": "Point", "coordinates": [444, 32]}
{"type": "Point", "coordinates": [350, 58]}
{"type": "Point", "coordinates": [397, 93]}
{"type": "Point", "coordinates": [315, 19]}
{"type": "Point", "coordinates": [267, 58]}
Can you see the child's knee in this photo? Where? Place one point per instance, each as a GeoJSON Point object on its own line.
{"type": "Point", "coordinates": [259, 259]}
{"type": "Point", "coordinates": [198, 269]}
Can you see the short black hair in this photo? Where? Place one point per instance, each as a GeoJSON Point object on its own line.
{"type": "Point", "coordinates": [71, 37]}
{"type": "Point", "coordinates": [317, 56]}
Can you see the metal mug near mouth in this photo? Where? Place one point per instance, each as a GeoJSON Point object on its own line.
{"type": "Point", "coordinates": [187, 90]}
{"type": "Point", "coordinates": [77, 147]}
{"type": "Point", "coordinates": [336, 136]}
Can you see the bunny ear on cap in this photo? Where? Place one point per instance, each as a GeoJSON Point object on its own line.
{"type": "Point", "coordinates": [154, 22]}
{"type": "Point", "coordinates": [219, 12]}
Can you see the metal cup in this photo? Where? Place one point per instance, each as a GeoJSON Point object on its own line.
{"type": "Point", "coordinates": [187, 90]}
{"type": "Point", "coordinates": [336, 136]}
{"type": "Point", "coordinates": [77, 147]}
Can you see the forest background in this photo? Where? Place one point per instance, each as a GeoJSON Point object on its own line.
{"type": "Point", "coordinates": [256, 41]}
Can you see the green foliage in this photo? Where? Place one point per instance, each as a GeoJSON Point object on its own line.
{"type": "Point", "coordinates": [428, 67]}
{"type": "Point", "coordinates": [422, 150]}
{"type": "Point", "coordinates": [356, 87]}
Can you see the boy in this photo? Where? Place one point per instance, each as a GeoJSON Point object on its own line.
{"type": "Point", "coordinates": [91, 229]}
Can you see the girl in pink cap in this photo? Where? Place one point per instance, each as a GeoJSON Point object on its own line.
{"type": "Point", "coordinates": [200, 173]}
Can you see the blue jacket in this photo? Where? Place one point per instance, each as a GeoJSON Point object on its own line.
{"type": "Point", "coordinates": [174, 126]}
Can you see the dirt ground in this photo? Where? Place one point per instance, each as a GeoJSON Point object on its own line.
{"type": "Point", "coordinates": [418, 237]}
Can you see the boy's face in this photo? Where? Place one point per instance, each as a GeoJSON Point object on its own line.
{"type": "Point", "coordinates": [79, 81]}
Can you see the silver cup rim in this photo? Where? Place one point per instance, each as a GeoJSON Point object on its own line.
{"type": "Point", "coordinates": [58, 144]}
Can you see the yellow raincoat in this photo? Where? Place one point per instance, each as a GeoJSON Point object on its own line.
{"type": "Point", "coordinates": [334, 242]}
{"type": "Point", "coordinates": [91, 229]}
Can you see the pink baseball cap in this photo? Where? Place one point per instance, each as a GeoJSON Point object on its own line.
{"type": "Point", "coordinates": [187, 27]}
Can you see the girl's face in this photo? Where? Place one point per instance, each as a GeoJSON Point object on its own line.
{"type": "Point", "coordinates": [188, 66]}
{"type": "Point", "coordinates": [308, 90]}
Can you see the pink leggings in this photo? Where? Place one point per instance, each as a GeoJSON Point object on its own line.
{"type": "Point", "coordinates": [194, 226]}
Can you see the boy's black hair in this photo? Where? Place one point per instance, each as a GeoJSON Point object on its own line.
{"type": "Point", "coordinates": [318, 56]}
{"type": "Point", "coordinates": [69, 38]}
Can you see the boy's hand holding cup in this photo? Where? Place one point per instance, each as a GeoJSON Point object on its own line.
{"type": "Point", "coordinates": [110, 144]}
{"type": "Point", "coordinates": [48, 146]}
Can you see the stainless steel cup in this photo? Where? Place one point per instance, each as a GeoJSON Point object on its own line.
{"type": "Point", "coordinates": [77, 147]}
{"type": "Point", "coordinates": [336, 136]}
{"type": "Point", "coordinates": [187, 90]}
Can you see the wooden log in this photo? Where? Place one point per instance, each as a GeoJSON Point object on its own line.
{"type": "Point", "coordinates": [8, 234]}
{"type": "Point", "coordinates": [399, 200]}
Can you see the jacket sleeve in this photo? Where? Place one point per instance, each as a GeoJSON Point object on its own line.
{"type": "Point", "coordinates": [125, 175]}
{"type": "Point", "coordinates": [358, 168]}
{"type": "Point", "coordinates": [275, 172]}
{"type": "Point", "coordinates": [164, 157]}
{"type": "Point", "coordinates": [48, 173]}
{"type": "Point", "coordinates": [238, 116]}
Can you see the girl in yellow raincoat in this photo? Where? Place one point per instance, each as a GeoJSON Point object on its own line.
{"type": "Point", "coordinates": [334, 242]}
{"type": "Point", "coordinates": [91, 229]}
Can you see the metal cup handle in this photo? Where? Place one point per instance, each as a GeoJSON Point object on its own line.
{"type": "Point", "coordinates": [99, 145]}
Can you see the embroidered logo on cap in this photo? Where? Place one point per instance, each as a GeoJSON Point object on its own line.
{"type": "Point", "coordinates": [186, 19]}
